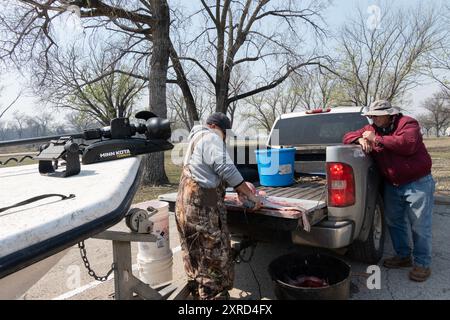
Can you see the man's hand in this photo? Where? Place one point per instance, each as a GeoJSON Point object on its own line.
{"type": "Point", "coordinates": [256, 200]}
{"type": "Point", "coordinates": [365, 144]}
{"type": "Point", "coordinates": [369, 135]}
{"type": "Point", "coordinates": [246, 193]}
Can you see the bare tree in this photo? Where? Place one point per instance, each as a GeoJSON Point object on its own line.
{"type": "Point", "coordinates": [258, 35]}
{"type": "Point", "coordinates": [3, 129]}
{"type": "Point", "coordinates": [439, 112]}
{"type": "Point", "coordinates": [27, 36]}
{"type": "Point", "coordinates": [239, 83]}
{"type": "Point", "coordinates": [77, 121]}
{"type": "Point", "coordinates": [235, 33]}
{"type": "Point", "coordinates": [426, 123]}
{"type": "Point", "coordinates": [439, 67]}
{"type": "Point", "coordinates": [45, 121]}
{"type": "Point", "coordinates": [439, 59]}
{"type": "Point", "coordinates": [28, 126]}
{"type": "Point", "coordinates": [2, 112]}
{"type": "Point", "coordinates": [262, 115]}
{"type": "Point", "coordinates": [20, 121]}
{"type": "Point", "coordinates": [386, 59]}
{"type": "Point", "coordinates": [316, 89]}
{"type": "Point", "coordinates": [99, 86]}
{"type": "Point", "coordinates": [204, 99]}
{"type": "Point", "coordinates": [176, 105]}
{"type": "Point", "coordinates": [267, 106]}
{"type": "Point", "coordinates": [32, 126]}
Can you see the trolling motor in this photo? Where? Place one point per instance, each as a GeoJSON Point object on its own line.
{"type": "Point", "coordinates": [120, 143]}
{"type": "Point", "coordinates": [109, 143]}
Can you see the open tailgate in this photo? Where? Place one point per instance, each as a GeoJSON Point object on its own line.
{"type": "Point", "coordinates": [310, 196]}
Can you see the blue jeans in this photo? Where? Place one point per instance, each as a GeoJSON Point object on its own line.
{"type": "Point", "coordinates": [410, 207]}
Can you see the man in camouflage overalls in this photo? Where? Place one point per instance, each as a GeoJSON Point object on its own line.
{"type": "Point", "coordinates": [200, 210]}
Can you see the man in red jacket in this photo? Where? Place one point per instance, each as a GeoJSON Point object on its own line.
{"type": "Point", "coordinates": [396, 144]}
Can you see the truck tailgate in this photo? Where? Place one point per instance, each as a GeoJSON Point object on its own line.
{"type": "Point", "coordinates": [311, 195]}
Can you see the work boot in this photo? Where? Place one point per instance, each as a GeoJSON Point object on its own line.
{"type": "Point", "coordinates": [397, 262]}
{"type": "Point", "coordinates": [419, 274]}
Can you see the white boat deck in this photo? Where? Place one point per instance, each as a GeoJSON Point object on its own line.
{"type": "Point", "coordinates": [99, 189]}
{"type": "Point", "coordinates": [35, 236]}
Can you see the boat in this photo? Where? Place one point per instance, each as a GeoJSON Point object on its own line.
{"type": "Point", "coordinates": [36, 235]}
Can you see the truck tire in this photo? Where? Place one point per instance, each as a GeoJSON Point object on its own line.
{"type": "Point", "coordinates": [371, 250]}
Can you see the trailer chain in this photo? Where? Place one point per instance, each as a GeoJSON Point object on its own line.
{"type": "Point", "coordinates": [88, 265]}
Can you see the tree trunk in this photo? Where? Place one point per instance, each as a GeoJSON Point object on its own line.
{"type": "Point", "coordinates": [184, 86]}
{"type": "Point", "coordinates": [222, 90]}
{"type": "Point", "coordinates": [155, 173]}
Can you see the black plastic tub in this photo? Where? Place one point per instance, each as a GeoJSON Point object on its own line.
{"type": "Point", "coordinates": [335, 272]}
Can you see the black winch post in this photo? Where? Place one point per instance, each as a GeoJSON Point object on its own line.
{"type": "Point", "coordinates": [63, 148]}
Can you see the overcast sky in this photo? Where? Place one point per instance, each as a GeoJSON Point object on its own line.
{"type": "Point", "coordinates": [334, 16]}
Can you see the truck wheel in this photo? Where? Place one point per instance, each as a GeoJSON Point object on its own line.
{"type": "Point", "coordinates": [371, 250]}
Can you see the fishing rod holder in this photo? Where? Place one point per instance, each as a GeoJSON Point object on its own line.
{"type": "Point", "coordinates": [56, 150]}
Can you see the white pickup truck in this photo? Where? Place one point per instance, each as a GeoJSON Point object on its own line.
{"type": "Point", "coordinates": [340, 184]}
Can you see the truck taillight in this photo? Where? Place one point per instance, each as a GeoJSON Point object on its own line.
{"type": "Point", "coordinates": [341, 185]}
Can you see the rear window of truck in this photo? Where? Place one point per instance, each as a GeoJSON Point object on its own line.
{"type": "Point", "coordinates": [317, 129]}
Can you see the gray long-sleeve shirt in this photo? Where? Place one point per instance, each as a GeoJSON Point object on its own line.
{"type": "Point", "coordinates": [210, 162]}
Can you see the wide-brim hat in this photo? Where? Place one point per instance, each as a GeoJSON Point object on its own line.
{"type": "Point", "coordinates": [381, 108]}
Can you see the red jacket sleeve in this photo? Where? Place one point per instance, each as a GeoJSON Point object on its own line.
{"type": "Point", "coordinates": [351, 137]}
{"type": "Point", "coordinates": [405, 140]}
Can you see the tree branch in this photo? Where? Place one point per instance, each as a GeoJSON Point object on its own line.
{"type": "Point", "coordinates": [11, 104]}
{"type": "Point", "coordinates": [275, 82]}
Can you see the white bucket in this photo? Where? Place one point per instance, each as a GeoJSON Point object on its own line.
{"type": "Point", "coordinates": [160, 248]}
{"type": "Point", "coordinates": [155, 259]}
{"type": "Point", "coordinates": [153, 272]}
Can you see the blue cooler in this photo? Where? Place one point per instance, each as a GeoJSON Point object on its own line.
{"type": "Point", "coordinates": [276, 166]}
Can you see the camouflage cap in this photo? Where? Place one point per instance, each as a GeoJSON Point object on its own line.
{"type": "Point", "coordinates": [220, 120]}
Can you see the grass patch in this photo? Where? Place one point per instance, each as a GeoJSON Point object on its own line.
{"type": "Point", "coordinates": [173, 172]}
{"type": "Point", "coordinates": [439, 149]}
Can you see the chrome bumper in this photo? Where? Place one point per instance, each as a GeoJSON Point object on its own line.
{"type": "Point", "coordinates": [326, 234]}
